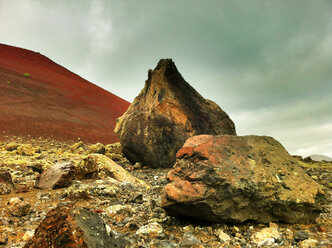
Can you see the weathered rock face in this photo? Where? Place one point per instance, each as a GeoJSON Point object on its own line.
{"type": "Point", "coordinates": [6, 182]}
{"type": "Point", "coordinates": [66, 226]}
{"type": "Point", "coordinates": [57, 176]}
{"type": "Point", "coordinates": [233, 179]}
{"type": "Point", "coordinates": [166, 112]}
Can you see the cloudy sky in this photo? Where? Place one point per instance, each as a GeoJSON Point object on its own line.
{"type": "Point", "coordinates": [267, 63]}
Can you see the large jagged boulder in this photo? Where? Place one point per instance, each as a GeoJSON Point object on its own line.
{"type": "Point", "coordinates": [166, 112]}
{"type": "Point", "coordinates": [67, 226]}
{"type": "Point", "coordinates": [228, 178]}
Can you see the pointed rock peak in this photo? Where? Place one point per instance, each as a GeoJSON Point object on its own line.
{"type": "Point", "coordinates": [167, 66]}
{"type": "Point", "coordinates": [166, 112]}
{"type": "Point", "coordinates": [164, 63]}
{"type": "Point", "coordinates": [165, 72]}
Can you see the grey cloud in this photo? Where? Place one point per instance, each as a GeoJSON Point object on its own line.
{"type": "Point", "coordinates": [266, 63]}
{"type": "Point", "coordinates": [302, 127]}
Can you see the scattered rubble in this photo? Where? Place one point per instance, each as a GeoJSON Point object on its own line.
{"type": "Point", "coordinates": [126, 208]}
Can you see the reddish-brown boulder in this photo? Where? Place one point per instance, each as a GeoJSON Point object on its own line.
{"type": "Point", "coordinates": [233, 179]}
{"type": "Point", "coordinates": [67, 226]}
{"type": "Point", "coordinates": [166, 112]}
{"type": "Point", "coordinates": [57, 176]}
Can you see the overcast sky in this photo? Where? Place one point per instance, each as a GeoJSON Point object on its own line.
{"type": "Point", "coordinates": [267, 63]}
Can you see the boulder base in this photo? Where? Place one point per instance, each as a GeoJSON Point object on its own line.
{"type": "Point", "coordinates": [166, 112]}
{"type": "Point", "coordinates": [233, 179]}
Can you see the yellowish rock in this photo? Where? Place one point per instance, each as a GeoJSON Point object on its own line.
{"type": "Point", "coordinates": [97, 148]}
{"type": "Point", "coordinates": [308, 243]}
{"type": "Point", "coordinates": [102, 167]}
{"type": "Point", "coordinates": [12, 146]}
{"type": "Point", "coordinates": [28, 235]}
{"type": "Point", "coordinates": [26, 150]}
{"type": "Point", "coordinates": [266, 236]}
{"type": "Point", "coordinates": [78, 147]}
{"type": "Point", "coordinates": [114, 148]}
{"type": "Point", "coordinates": [114, 156]}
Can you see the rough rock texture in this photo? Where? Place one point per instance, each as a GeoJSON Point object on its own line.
{"type": "Point", "coordinates": [78, 147]}
{"type": "Point", "coordinates": [18, 207]}
{"type": "Point", "coordinates": [26, 150]}
{"type": "Point", "coordinates": [101, 167]}
{"type": "Point", "coordinates": [66, 226]}
{"type": "Point", "coordinates": [6, 182]}
{"type": "Point", "coordinates": [12, 146]}
{"type": "Point", "coordinates": [233, 179]}
{"type": "Point", "coordinates": [166, 112]}
{"type": "Point", "coordinates": [267, 236]}
{"type": "Point", "coordinates": [3, 238]}
{"type": "Point", "coordinates": [57, 176]}
{"type": "Point", "coordinates": [97, 148]}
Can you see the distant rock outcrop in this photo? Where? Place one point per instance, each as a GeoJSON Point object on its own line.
{"type": "Point", "coordinates": [318, 158]}
{"type": "Point", "coordinates": [166, 112]}
{"type": "Point", "coordinates": [237, 178]}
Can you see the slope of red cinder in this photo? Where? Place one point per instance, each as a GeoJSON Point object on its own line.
{"type": "Point", "coordinates": [53, 102]}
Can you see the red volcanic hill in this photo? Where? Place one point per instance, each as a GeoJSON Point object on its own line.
{"type": "Point", "coordinates": [43, 99]}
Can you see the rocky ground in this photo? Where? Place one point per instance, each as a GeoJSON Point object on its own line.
{"type": "Point", "coordinates": [130, 211]}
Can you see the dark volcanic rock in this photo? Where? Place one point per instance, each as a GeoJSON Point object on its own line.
{"type": "Point", "coordinates": [67, 226]}
{"type": "Point", "coordinates": [166, 112]}
{"type": "Point", "coordinates": [301, 235]}
{"type": "Point", "coordinates": [57, 176]}
{"type": "Point", "coordinates": [233, 179]}
{"type": "Point", "coordinates": [6, 183]}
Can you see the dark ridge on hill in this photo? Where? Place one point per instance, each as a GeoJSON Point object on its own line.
{"type": "Point", "coordinates": [319, 157]}
{"type": "Point", "coordinates": [39, 98]}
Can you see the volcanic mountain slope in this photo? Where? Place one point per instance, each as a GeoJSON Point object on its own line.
{"type": "Point", "coordinates": [43, 99]}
